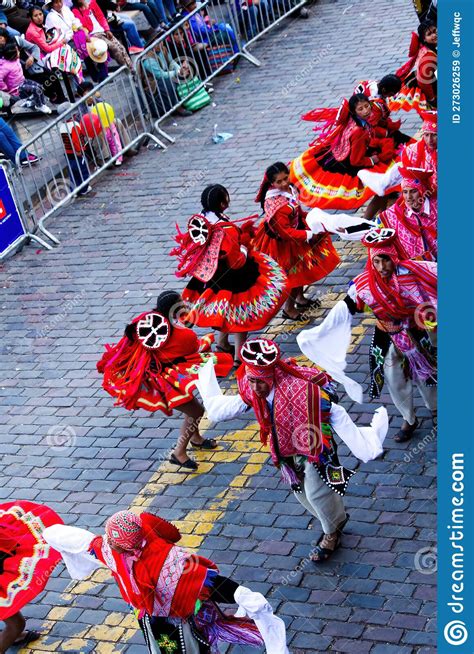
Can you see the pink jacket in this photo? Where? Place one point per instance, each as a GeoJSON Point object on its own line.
{"type": "Point", "coordinates": [35, 34]}
{"type": "Point", "coordinates": [84, 16]}
{"type": "Point", "coordinates": [11, 76]}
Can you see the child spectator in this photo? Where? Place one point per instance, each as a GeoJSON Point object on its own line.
{"type": "Point", "coordinates": [109, 124]}
{"type": "Point", "coordinates": [76, 147]}
{"type": "Point", "coordinates": [12, 80]}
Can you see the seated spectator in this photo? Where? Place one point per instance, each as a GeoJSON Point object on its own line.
{"type": "Point", "coordinates": [252, 16]}
{"type": "Point", "coordinates": [158, 9]}
{"type": "Point", "coordinates": [182, 44]}
{"type": "Point", "coordinates": [10, 144]}
{"type": "Point", "coordinates": [122, 24]}
{"type": "Point", "coordinates": [12, 80]}
{"type": "Point", "coordinates": [16, 16]}
{"type": "Point", "coordinates": [207, 30]}
{"type": "Point", "coordinates": [71, 30]}
{"type": "Point", "coordinates": [56, 53]}
{"type": "Point", "coordinates": [33, 66]}
{"type": "Point", "coordinates": [149, 10]}
{"type": "Point", "coordinates": [95, 24]}
{"type": "Point", "coordinates": [5, 26]}
{"type": "Point", "coordinates": [161, 78]}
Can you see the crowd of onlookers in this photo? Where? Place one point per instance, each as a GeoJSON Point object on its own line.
{"type": "Point", "coordinates": [53, 52]}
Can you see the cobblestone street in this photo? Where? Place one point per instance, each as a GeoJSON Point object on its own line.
{"type": "Point", "coordinates": [63, 443]}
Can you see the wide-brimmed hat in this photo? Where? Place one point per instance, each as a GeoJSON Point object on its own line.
{"type": "Point", "coordinates": [97, 50]}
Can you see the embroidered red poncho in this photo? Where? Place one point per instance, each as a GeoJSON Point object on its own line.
{"type": "Point", "coordinates": [164, 580]}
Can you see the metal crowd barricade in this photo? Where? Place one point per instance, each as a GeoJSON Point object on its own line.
{"type": "Point", "coordinates": [175, 70]}
{"type": "Point", "coordinates": [257, 17]}
{"type": "Point", "coordinates": [14, 227]}
{"type": "Point", "coordinates": [92, 135]}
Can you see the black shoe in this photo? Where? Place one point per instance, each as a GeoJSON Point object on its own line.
{"type": "Point", "coordinates": [189, 464]}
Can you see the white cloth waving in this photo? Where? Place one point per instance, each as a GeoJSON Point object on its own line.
{"type": "Point", "coordinates": [327, 345]}
{"type": "Point", "coordinates": [271, 628]}
{"type": "Point", "coordinates": [73, 544]}
{"type": "Point", "coordinates": [320, 221]}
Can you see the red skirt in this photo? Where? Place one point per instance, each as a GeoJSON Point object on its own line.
{"type": "Point", "coordinates": [26, 560]}
{"type": "Point", "coordinates": [305, 264]}
{"type": "Point", "coordinates": [179, 382]}
{"type": "Point", "coordinates": [322, 182]}
{"type": "Point", "coordinates": [408, 99]}
{"type": "Point", "coordinates": [239, 300]}
{"type": "Point", "coordinates": [164, 389]}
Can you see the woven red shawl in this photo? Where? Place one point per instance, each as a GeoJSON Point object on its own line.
{"type": "Point", "coordinates": [199, 260]}
{"type": "Point", "coordinates": [160, 538]}
{"type": "Point", "coordinates": [296, 409]}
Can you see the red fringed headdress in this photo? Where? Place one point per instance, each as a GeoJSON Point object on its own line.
{"type": "Point", "coordinates": [125, 364]}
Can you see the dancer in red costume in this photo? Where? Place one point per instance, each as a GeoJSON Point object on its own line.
{"type": "Point", "coordinates": [424, 153]}
{"type": "Point", "coordinates": [234, 288]}
{"type": "Point", "coordinates": [285, 237]}
{"type": "Point", "coordinates": [298, 414]}
{"type": "Point", "coordinates": [402, 297]}
{"type": "Point", "coordinates": [173, 593]}
{"type": "Point", "coordinates": [154, 367]}
{"type": "Point", "coordinates": [419, 154]}
{"type": "Point", "coordinates": [419, 74]}
{"type": "Point", "coordinates": [26, 563]}
{"type": "Point", "coordinates": [326, 174]}
{"type": "Point", "coordinates": [378, 94]}
{"type": "Point", "coordinates": [414, 217]}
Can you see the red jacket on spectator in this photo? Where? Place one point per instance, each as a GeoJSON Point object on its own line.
{"type": "Point", "coordinates": [36, 34]}
{"type": "Point", "coordinates": [85, 14]}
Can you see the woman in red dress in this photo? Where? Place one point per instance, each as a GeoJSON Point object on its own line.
{"type": "Point", "coordinates": [419, 74]}
{"type": "Point", "coordinates": [26, 562]}
{"type": "Point", "coordinates": [326, 174]}
{"type": "Point", "coordinates": [285, 236]}
{"type": "Point", "coordinates": [154, 367]}
{"type": "Point", "coordinates": [233, 288]}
